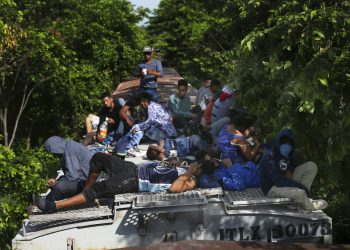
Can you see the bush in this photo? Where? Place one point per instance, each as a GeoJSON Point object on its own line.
{"type": "Point", "coordinates": [21, 175]}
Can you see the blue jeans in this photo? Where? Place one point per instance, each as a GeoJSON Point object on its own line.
{"type": "Point", "coordinates": [152, 92]}
{"type": "Point", "coordinates": [65, 188]}
{"type": "Point", "coordinates": [114, 135]}
{"type": "Point", "coordinates": [129, 140]}
{"type": "Point", "coordinates": [156, 134]}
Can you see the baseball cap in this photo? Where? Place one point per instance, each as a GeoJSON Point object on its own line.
{"type": "Point", "coordinates": [147, 49]}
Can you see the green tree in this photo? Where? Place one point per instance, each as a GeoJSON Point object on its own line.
{"type": "Point", "coordinates": [57, 60]}
{"type": "Point", "coordinates": [21, 175]}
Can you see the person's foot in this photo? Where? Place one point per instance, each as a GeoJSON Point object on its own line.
{"type": "Point", "coordinates": [45, 205]}
{"type": "Point", "coordinates": [320, 204]}
{"type": "Point", "coordinates": [135, 152]}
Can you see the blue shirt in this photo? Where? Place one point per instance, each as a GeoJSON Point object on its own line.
{"type": "Point", "coordinates": [227, 149]}
{"type": "Point", "coordinates": [150, 80]}
{"type": "Point", "coordinates": [221, 109]}
{"type": "Point", "coordinates": [158, 117]}
{"type": "Point", "coordinates": [238, 177]}
{"type": "Point", "coordinates": [181, 145]}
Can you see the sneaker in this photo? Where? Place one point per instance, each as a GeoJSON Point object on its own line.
{"type": "Point", "coordinates": [320, 204]}
{"type": "Point", "coordinates": [45, 205]}
{"type": "Point", "coordinates": [135, 152]}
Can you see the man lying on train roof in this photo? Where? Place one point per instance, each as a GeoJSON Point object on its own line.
{"type": "Point", "coordinates": [179, 147]}
{"type": "Point", "coordinates": [126, 177]}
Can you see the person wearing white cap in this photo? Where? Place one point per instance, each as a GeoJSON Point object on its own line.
{"type": "Point", "coordinates": [149, 69]}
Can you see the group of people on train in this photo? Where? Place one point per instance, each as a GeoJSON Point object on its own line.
{"type": "Point", "coordinates": [212, 143]}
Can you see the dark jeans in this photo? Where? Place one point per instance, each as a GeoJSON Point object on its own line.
{"type": "Point", "coordinates": [65, 188]}
{"type": "Point", "coordinates": [152, 92]}
{"type": "Point", "coordinates": [122, 177]}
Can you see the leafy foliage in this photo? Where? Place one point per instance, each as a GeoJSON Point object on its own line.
{"type": "Point", "coordinates": [57, 57]}
{"type": "Point", "coordinates": [21, 175]}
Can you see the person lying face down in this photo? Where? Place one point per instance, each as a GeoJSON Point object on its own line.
{"type": "Point", "coordinates": [75, 166]}
{"type": "Point", "coordinates": [178, 147]}
{"type": "Point", "coordinates": [126, 177]}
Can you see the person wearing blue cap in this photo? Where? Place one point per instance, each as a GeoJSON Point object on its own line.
{"type": "Point", "coordinates": [149, 70]}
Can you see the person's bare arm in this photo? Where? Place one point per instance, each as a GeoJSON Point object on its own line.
{"type": "Point", "coordinates": [183, 183]}
{"type": "Point", "coordinates": [153, 72]}
{"type": "Point", "coordinates": [123, 113]}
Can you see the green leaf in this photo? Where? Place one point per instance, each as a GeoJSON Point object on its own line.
{"type": "Point", "coordinates": [313, 14]}
{"type": "Point", "coordinates": [323, 81]}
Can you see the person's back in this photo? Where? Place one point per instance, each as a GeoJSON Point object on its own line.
{"type": "Point", "coordinates": [157, 117]}
{"type": "Point", "coordinates": [75, 157]}
{"type": "Point", "coordinates": [228, 149]}
{"type": "Point", "coordinates": [75, 166]}
{"type": "Point", "coordinates": [223, 105]}
{"type": "Point", "coordinates": [238, 177]}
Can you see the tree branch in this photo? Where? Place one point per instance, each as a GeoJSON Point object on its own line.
{"type": "Point", "coordinates": [24, 103]}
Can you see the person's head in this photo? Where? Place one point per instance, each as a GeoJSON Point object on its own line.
{"type": "Point", "coordinates": [107, 100]}
{"type": "Point", "coordinates": [215, 86]}
{"type": "Point", "coordinates": [206, 83]}
{"type": "Point", "coordinates": [205, 167]}
{"type": "Point", "coordinates": [182, 87]}
{"type": "Point", "coordinates": [154, 153]}
{"type": "Point", "coordinates": [55, 145]}
{"type": "Point", "coordinates": [147, 53]}
{"type": "Point", "coordinates": [286, 143]}
{"type": "Point", "coordinates": [144, 99]}
{"type": "Point", "coordinates": [243, 122]}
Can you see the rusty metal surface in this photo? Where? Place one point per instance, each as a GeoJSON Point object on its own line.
{"type": "Point", "coordinates": [167, 85]}
{"type": "Point", "coordinates": [225, 245]}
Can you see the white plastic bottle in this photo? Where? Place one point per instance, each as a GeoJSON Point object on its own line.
{"type": "Point", "coordinates": [103, 130]}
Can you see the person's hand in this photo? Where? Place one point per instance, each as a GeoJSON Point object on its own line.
{"type": "Point", "coordinates": [133, 131]}
{"type": "Point", "coordinates": [51, 182]}
{"type": "Point", "coordinates": [151, 71]}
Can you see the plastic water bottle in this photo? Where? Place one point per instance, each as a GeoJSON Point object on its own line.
{"type": "Point", "coordinates": [103, 130]}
